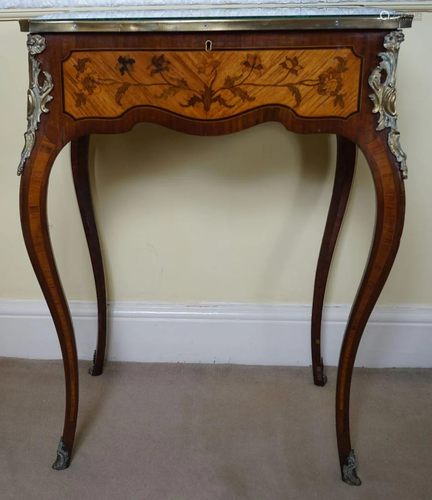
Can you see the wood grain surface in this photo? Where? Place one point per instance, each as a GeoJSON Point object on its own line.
{"type": "Point", "coordinates": [212, 85]}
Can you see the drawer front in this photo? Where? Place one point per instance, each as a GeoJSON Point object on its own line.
{"type": "Point", "coordinates": [312, 82]}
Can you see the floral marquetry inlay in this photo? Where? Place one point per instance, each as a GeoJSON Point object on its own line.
{"type": "Point", "coordinates": [212, 85]}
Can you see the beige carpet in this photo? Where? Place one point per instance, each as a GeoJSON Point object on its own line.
{"type": "Point", "coordinates": [208, 432]}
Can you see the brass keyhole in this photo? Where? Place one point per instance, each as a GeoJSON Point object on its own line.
{"type": "Point", "coordinates": [208, 45]}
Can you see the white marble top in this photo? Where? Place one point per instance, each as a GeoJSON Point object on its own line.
{"type": "Point", "coordinates": [245, 12]}
{"type": "Point", "coordinates": [89, 4]}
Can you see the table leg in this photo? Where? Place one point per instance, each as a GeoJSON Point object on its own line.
{"type": "Point", "coordinates": [345, 165]}
{"type": "Point", "coordinates": [79, 156]}
{"type": "Point", "coordinates": [33, 208]}
{"type": "Point", "coordinates": [390, 214]}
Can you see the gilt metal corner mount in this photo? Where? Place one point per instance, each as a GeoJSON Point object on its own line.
{"type": "Point", "coordinates": [38, 96]}
{"type": "Point", "coordinates": [384, 96]}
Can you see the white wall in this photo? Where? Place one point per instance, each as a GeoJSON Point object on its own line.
{"type": "Point", "coordinates": [226, 219]}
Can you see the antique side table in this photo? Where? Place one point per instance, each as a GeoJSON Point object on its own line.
{"type": "Point", "coordinates": [330, 72]}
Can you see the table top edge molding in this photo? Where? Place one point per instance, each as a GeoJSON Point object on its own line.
{"type": "Point", "coordinates": [395, 21]}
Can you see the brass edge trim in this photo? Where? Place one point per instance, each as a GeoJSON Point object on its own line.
{"type": "Point", "coordinates": [183, 25]}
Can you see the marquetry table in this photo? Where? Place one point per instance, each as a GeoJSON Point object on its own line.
{"type": "Point", "coordinates": [329, 72]}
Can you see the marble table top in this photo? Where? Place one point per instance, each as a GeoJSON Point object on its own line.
{"type": "Point", "coordinates": [109, 4]}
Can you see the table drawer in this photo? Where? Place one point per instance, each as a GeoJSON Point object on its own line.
{"type": "Point", "coordinates": [214, 84]}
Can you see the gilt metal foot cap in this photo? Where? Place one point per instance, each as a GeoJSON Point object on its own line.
{"type": "Point", "coordinates": [321, 378]}
{"type": "Point", "coordinates": [91, 370]}
{"type": "Point", "coordinates": [349, 474]}
{"type": "Point", "coordinates": [323, 375]}
{"type": "Point", "coordinates": [63, 457]}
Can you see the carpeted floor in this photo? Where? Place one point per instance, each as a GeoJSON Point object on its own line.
{"type": "Point", "coordinates": [212, 432]}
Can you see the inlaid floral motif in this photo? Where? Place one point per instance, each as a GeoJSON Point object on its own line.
{"type": "Point", "coordinates": [125, 65]}
{"type": "Point", "coordinates": [214, 91]}
{"type": "Point", "coordinates": [88, 82]}
{"type": "Point", "coordinates": [331, 83]}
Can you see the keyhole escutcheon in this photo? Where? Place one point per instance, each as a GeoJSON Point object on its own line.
{"type": "Point", "coordinates": [208, 46]}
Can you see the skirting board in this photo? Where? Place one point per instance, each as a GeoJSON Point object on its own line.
{"type": "Point", "coordinates": [259, 334]}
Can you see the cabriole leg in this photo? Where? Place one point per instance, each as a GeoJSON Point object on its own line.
{"type": "Point", "coordinates": [79, 156]}
{"type": "Point", "coordinates": [345, 165]}
{"type": "Point", "coordinates": [390, 213]}
{"type": "Point", "coordinates": [33, 209]}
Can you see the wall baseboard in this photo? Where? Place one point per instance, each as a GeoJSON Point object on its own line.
{"type": "Point", "coordinates": [259, 334]}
